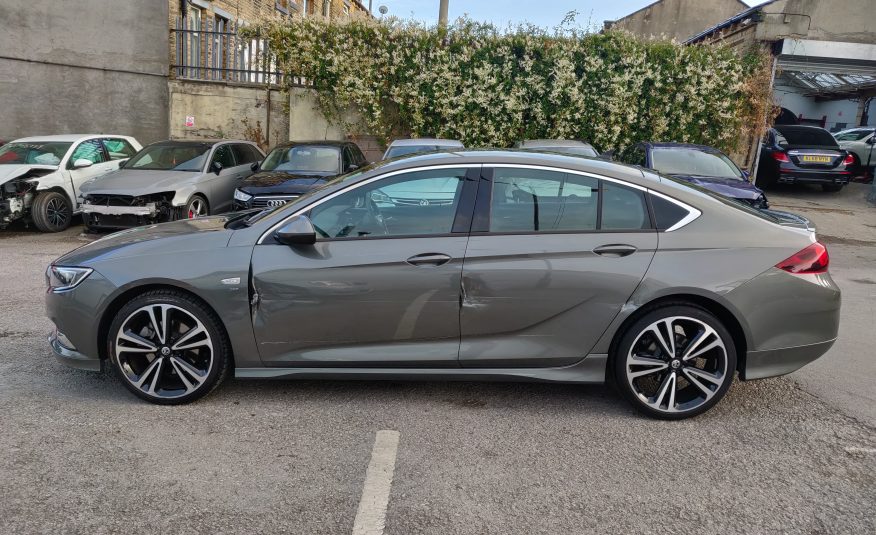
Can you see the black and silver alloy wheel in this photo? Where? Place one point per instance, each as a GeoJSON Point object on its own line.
{"type": "Point", "coordinates": [167, 349]}
{"type": "Point", "coordinates": [51, 211]}
{"type": "Point", "coordinates": [676, 362]}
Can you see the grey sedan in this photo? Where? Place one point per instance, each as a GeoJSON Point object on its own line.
{"type": "Point", "coordinates": [511, 266]}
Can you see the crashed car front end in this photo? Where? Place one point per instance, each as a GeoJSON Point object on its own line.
{"type": "Point", "coordinates": [18, 193]}
{"type": "Point", "coordinates": [110, 211]}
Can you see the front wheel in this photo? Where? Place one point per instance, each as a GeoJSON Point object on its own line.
{"type": "Point", "coordinates": [196, 207]}
{"type": "Point", "coordinates": [51, 211]}
{"type": "Point", "coordinates": [675, 362]}
{"type": "Point", "coordinates": [168, 347]}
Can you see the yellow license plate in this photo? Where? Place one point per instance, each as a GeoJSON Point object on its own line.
{"type": "Point", "coordinates": [817, 159]}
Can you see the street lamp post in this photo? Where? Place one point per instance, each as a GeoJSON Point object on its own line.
{"type": "Point", "coordinates": [442, 13]}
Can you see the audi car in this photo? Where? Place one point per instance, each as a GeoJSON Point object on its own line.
{"type": "Point", "coordinates": [291, 169]}
{"type": "Point", "coordinates": [793, 154]}
{"type": "Point", "coordinates": [542, 267]}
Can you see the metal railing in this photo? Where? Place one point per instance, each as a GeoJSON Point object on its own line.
{"type": "Point", "coordinates": [214, 51]}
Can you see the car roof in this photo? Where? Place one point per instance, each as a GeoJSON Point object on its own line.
{"type": "Point", "coordinates": [536, 143]}
{"type": "Point", "coordinates": [315, 143]}
{"type": "Point", "coordinates": [413, 142]}
{"type": "Point", "coordinates": [675, 145]}
{"type": "Point", "coordinates": [68, 138]}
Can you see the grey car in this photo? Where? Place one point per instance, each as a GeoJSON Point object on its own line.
{"type": "Point", "coordinates": [167, 181]}
{"type": "Point", "coordinates": [565, 146]}
{"type": "Point", "coordinates": [544, 267]}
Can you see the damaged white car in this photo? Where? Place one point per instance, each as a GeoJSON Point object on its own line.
{"type": "Point", "coordinates": [40, 177]}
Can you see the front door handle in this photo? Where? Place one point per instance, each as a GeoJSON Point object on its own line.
{"type": "Point", "coordinates": [615, 249]}
{"type": "Point", "coordinates": [429, 259]}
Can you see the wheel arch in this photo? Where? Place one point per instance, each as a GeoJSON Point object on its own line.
{"type": "Point", "coordinates": [120, 299]}
{"type": "Point", "coordinates": [727, 317]}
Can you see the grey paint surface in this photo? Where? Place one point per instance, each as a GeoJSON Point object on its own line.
{"type": "Point", "coordinates": [677, 19]}
{"type": "Point", "coordinates": [732, 270]}
{"type": "Point", "coordinates": [62, 71]}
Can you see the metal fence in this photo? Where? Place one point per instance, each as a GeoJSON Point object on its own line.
{"type": "Point", "coordinates": [213, 50]}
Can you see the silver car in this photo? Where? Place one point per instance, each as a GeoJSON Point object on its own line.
{"type": "Point", "coordinates": [407, 147]}
{"type": "Point", "coordinates": [169, 180]}
{"type": "Point", "coordinates": [564, 146]}
{"type": "Point", "coordinates": [543, 267]}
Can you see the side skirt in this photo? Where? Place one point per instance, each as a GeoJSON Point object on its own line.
{"type": "Point", "coordinates": [589, 370]}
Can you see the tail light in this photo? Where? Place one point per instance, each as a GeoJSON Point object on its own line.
{"type": "Point", "coordinates": [849, 160]}
{"type": "Point", "coordinates": [781, 157]}
{"type": "Point", "coordinates": [813, 259]}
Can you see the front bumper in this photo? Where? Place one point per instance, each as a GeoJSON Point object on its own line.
{"type": "Point", "coordinates": [71, 357]}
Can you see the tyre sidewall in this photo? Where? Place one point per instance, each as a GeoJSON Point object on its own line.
{"type": "Point", "coordinates": [191, 305]}
{"type": "Point", "coordinates": [619, 360]}
{"type": "Point", "coordinates": [41, 217]}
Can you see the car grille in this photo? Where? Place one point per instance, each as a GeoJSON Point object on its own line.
{"type": "Point", "coordinates": [113, 200]}
{"type": "Point", "coordinates": [272, 201]}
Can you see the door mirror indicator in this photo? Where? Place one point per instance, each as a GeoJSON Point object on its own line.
{"type": "Point", "coordinates": [216, 167]}
{"type": "Point", "coordinates": [82, 163]}
{"type": "Point", "coordinates": [298, 231]}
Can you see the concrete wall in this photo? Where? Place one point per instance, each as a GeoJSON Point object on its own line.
{"type": "Point", "coordinates": [677, 19]}
{"type": "Point", "coordinates": [839, 114]}
{"type": "Point", "coordinates": [851, 21]}
{"type": "Point", "coordinates": [307, 122]}
{"type": "Point", "coordinates": [84, 66]}
{"type": "Point", "coordinates": [227, 111]}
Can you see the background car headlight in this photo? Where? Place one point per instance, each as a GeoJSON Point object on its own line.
{"type": "Point", "coordinates": [241, 196]}
{"type": "Point", "coordinates": [61, 278]}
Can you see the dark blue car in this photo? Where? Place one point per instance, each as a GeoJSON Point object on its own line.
{"type": "Point", "coordinates": [698, 164]}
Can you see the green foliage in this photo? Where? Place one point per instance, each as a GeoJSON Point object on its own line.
{"type": "Point", "coordinates": [487, 87]}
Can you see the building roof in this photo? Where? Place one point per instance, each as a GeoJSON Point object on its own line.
{"type": "Point", "coordinates": [740, 2]}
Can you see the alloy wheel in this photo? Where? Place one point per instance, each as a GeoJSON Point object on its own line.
{"type": "Point", "coordinates": [197, 208]}
{"type": "Point", "coordinates": [164, 351]}
{"type": "Point", "coordinates": [677, 364]}
{"type": "Point", "coordinates": [57, 212]}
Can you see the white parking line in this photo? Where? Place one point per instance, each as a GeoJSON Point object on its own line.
{"type": "Point", "coordinates": [371, 516]}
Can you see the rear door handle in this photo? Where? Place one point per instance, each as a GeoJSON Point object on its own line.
{"type": "Point", "coordinates": [615, 249]}
{"type": "Point", "coordinates": [429, 259]}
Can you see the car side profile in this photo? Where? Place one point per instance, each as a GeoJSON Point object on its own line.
{"type": "Point", "coordinates": [542, 267]}
{"type": "Point", "coordinates": [41, 177]}
{"type": "Point", "coordinates": [167, 181]}
{"type": "Point", "coordinates": [861, 144]}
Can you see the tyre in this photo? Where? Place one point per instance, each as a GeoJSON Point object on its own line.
{"type": "Point", "coordinates": [832, 188]}
{"type": "Point", "coordinates": [168, 348]}
{"type": "Point", "coordinates": [196, 207]}
{"type": "Point", "coordinates": [51, 211]}
{"type": "Point", "coordinates": [675, 362]}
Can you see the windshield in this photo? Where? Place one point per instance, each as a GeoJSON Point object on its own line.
{"type": "Point", "coordinates": [853, 135]}
{"type": "Point", "coordinates": [304, 159]}
{"type": "Point", "coordinates": [694, 162]}
{"type": "Point", "coordinates": [167, 157]}
{"type": "Point", "coordinates": [404, 150]}
{"type": "Point", "coordinates": [37, 152]}
{"type": "Point", "coordinates": [804, 137]}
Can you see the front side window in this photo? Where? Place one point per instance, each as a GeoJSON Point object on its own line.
{"type": "Point", "coordinates": [223, 156]}
{"type": "Point", "coordinates": [91, 150]}
{"type": "Point", "coordinates": [531, 200]}
{"type": "Point", "coordinates": [244, 154]}
{"type": "Point", "coordinates": [853, 135]}
{"type": "Point", "coordinates": [171, 157]}
{"type": "Point", "coordinates": [118, 149]}
{"type": "Point", "coordinates": [36, 152]}
{"type": "Point", "coordinates": [411, 204]}
{"type": "Point", "coordinates": [306, 159]}
{"type": "Point", "coordinates": [690, 162]}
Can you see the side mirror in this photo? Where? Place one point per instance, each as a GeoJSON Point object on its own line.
{"type": "Point", "coordinates": [872, 140]}
{"type": "Point", "coordinates": [255, 166]}
{"type": "Point", "coordinates": [216, 167]}
{"type": "Point", "coordinates": [298, 231]}
{"type": "Point", "coordinates": [82, 163]}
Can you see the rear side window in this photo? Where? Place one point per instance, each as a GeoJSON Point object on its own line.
{"type": "Point", "coordinates": [666, 213]}
{"type": "Point", "coordinates": [530, 200]}
{"type": "Point", "coordinates": [623, 208]}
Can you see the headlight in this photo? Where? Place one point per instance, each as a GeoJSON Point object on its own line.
{"type": "Point", "coordinates": [241, 196]}
{"type": "Point", "coordinates": [60, 278]}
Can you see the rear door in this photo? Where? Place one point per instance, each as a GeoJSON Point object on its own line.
{"type": "Point", "coordinates": [552, 258]}
{"type": "Point", "coordinates": [381, 287]}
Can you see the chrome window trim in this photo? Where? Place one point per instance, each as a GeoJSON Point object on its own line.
{"type": "Point", "coordinates": [314, 204]}
{"type": "Point", "coordinates": [692, 213]}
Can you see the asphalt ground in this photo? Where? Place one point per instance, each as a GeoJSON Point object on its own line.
{"type": "Point", "coordinates": [796, 454]}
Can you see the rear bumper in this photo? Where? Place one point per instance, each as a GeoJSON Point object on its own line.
{"type": "Point", "coordinates": [813, 177]}
{"type": "Point", "coordinates": [774, 362]}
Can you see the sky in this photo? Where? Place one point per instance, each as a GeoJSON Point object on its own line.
{"type": "Point", "coordinates": [544, 13]}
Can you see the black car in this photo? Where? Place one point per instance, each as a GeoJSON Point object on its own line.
{"type": "Point", "coordinates": [702, 165]}
{"type": "Point", "coordinates": [803, 154]}
{"type": "Point", "coordinates": [293, 168]}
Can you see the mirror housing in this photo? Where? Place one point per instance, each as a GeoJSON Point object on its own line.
{"type": "Point", "coordinates": [82, 163]}
{"type": "Point", "coordinates": [255, 166]}
{"type": "Point", "coordinates": [216, 167]}
{"type": "Point", "coordinates": [298, 231]}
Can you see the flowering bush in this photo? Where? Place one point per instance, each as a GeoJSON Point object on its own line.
{"type": "Point", "coordinates": [487, 87]}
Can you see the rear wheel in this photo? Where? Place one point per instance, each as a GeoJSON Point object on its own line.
{"type": "Point", "coordinates": [675, 362]}
{"type": "Point", "coordinates": [832, 188]}
{"type": "Point", "coordinates": [168, 348]}
{"type": "Point", "coordinates": [51, 211]}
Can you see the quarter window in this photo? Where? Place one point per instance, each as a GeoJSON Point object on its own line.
{"type": "Point", "coordinates": [90, 150]}
{"type": "Point", "coordinates": [666, 214]}
{"type": "Point", "coordinates": [416, 203]}
{"type": "Point", "coordinates": [530, 200]}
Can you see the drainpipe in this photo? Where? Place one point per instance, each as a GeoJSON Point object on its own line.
{"type": "Point", "coordinates": [442, 13]}
{"type": "Point", "coordinates": [268, 122]}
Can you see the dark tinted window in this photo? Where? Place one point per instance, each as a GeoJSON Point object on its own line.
{"type": "Point", "coordinates": [806, 136]}
{"type": "Point", "coordinates": [170, 156]}
{"type": "Point", "coordinates": [244, 154]}
{"type": "Point", "coordinates": [118, 149]}
{"type": "Point", "coordinates": [623, 208]}
{"type": "Point", "coordinates": [224, 156]}
{"type": "Point", "coordinates": [530, 200]}
{"type": "Point", "coordinates": [666, 213]}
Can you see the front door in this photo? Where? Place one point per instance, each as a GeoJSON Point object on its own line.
{"type": "Point", "coordinates": [93, 151]}
{"type": "Point", "coordinates": [381, 287]}
{"type": "Point", "coordinates": [552, 258]}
